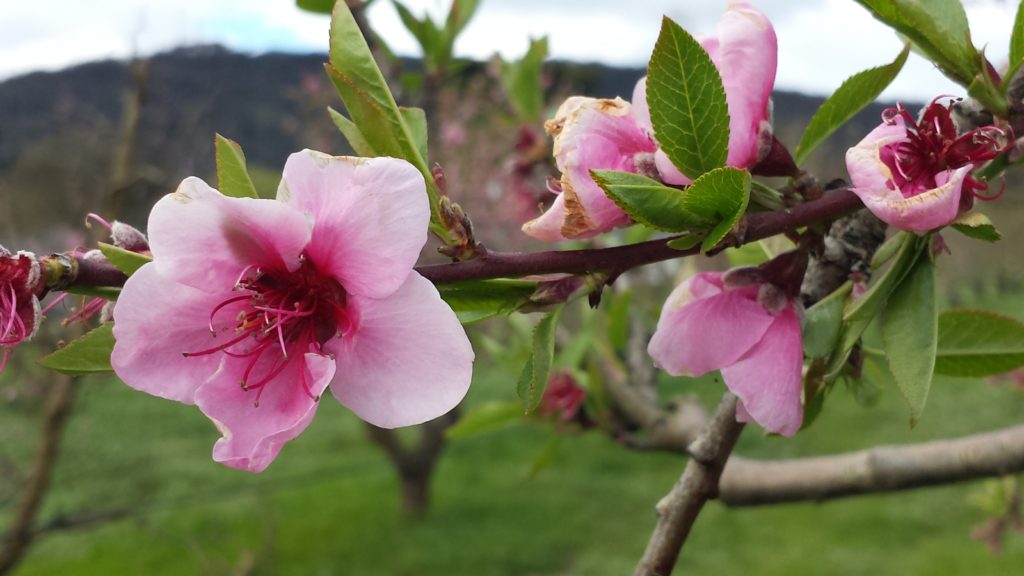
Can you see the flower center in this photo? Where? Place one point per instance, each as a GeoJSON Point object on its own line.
{"type": "Point", "coordinates": [279, 316]}
{"type": "Point", "coordinates": [932, 146]}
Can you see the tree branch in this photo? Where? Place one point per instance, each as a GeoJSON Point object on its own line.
{"type": "Point", "coordinates": [613, 260]}
{"type": "Point", "coordinates": [748, 482]}
{"type": "Point", "coordinates": [699, 483]}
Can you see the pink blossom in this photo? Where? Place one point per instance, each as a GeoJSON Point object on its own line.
{"type": "Point", "coordinates": [563, 397]}
{"type": "Point", "coordinates": [746, 54]}
{"type": "Point", "coordinates": [20, 286]}
{"type": "Point", "coordinates": [252, 308]}
{"type": "Point", "coordinates": [590, 134]}
{"type": "Point", "coordinates": [749, 331]}
{"type": "Point", "coordinates": [912, 174]}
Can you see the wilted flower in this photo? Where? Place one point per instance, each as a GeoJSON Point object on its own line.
{"type": "Point", "coordinates": [746, 55]}
{"type": "Point", "coordinates": [591, 134]}
{"type": "Point", "coordinates": [747, 329]}
{"type": "Point", "coordinates": [252, 308]}
{"type": "Point", "coordinates": [916, 174]}
{"type": "Point", "coordinates": [20, 285]}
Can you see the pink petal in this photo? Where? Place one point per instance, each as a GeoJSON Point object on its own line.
{"type": "Point", "coordinates": [746, 57]}
{"type": "Point", "coordinates": [641, 111]}
{"type": "Point", "coordinates": [696, 335]}
{"type": "Point", "coordinates": [370, 217]}
{"type": "Point", "coordinates": [204, 239]}
{"type": "Point", "coordinates": [768, 378]}
{"type": "Point", "coordinates": [408, 361]}
{"type": "Point", "coordinates": [156, 320]}
{"type": "Point", "coordinates": [548, 226]}
{"type": "Point", "coordinates": [253, 435]}
{"type": "Point", "coordinates": [872, 179]}
{"type": "Point", "coordinates": [668, 171]}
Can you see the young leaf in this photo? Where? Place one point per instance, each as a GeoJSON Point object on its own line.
{"type": "Point", "coordinates": [351, 133]}
{"type": "Point", "coordinates": [977, 343]}
{"type": "Point", "coordinates": [1017, 39]}
{"type": "Point", "coordinates": [534, 378]}
{"type": "Point", "coordinates": [687, 102]}
{"type": "Point", "coordinates": [521, 81]}
{"type": "Point", "coordinates": [910, 334]}
{"type": "Point", "coordinates": [721, 196]}
{"type": "Point", "coordinates": [475, 300]}
{"type": "Point", "coordinates": [852, 96]}
{"type": "Point", "coordinates": [416, 120]}
{"type": "Point", "coordinates": [685, 242]}
{"type": "Point", "coordinates": [459, 15]}
{"type": "Point", "coordinates": [318, 6]}
{"type": "Point", "coordinates": [889, 248]}
{"type": "Point", "coordinates": [484, 418]}
{"type": "Point", "coordinates": [370, 104]}
{"type": "Point", "coordinates": [939, 30]}
{"type": "Point", "coordinates": [977, 225]}
{"type": "Point", "coordinates": [86, 355]}
{"type": "Point", "coordinates": [232, 178]}
{"type": "Point", "coordinates": [871, 302]}
{"type": "Point", "coordinates": [823, 322]}
{"type": "Point", "coordinates": [124, 260]}
{"type": "Point", "coordinates": [752, 254]}
{"type": "Point", "coordinates": [648, 201]}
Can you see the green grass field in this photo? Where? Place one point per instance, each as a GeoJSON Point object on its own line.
{"type": "Point", "coordinates": [329, 504]}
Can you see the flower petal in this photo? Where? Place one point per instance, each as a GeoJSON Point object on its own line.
{"type": "Point", "coordinates": [370, 217]}
{"type": "Point", "coordinates": [548, 226]}
{"type": "Point", "coordinates": [408, 361]}
{"type": "Point", "coordinates": [768, 379]}
{"type": "Point", "coordinates": [253, 435]}
{"type": "Point", "coordinates": [156, 321]}
{"type": "Point", "coordinates": [746, 57]}
{"type": "Point", "coordinates": [204, 239]}
{"type": "Point", "coordinates": [641, 111]}
{"type": "Point", "coordinates": [700, 330]}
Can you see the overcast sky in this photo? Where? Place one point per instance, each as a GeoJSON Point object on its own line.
{"type": "Point", "coordinates": [821, 42]}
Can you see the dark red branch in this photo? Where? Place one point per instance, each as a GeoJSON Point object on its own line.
{"type": "Point", "coordinates": [610, 260]}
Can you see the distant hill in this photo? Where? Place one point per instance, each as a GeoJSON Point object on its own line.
{"type": "Point", "coordinates": [272, 104]}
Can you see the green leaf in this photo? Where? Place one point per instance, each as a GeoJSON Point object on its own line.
{"type": "Point", "coordinates": [823, 323]}
{"type": "Point", "coordinates": [685, 242]}
{"type": "Point", "coordinates": [86, 355]}
{"type": "Point", "coordinates": [618, 321]}
{"type": "Point", "coordinates": [534, 378]}
{"type": "Point", "coordinates": [752, 254]}
{"type": "Point", "coordinates": [424, 30]}
{"type": "Point", "coordinates": [318, 6]}
{"type": "Point", "coordinates": [852, 96]}
{"type": "Point", "coordinates": [459, 15]}
{"type": "Point", "coordinates": [1017, 38]}
{"type": "Point", "coordinates": [124, 260]}
{"type": "Point", "coordinates": [484, 418]}
{"type": "Point", "coordinates": [977, 343]}
{"type": "Point", "coordinates": [977, 225]}
{"type": "Point", "coordinates": [939, 30]}
{"type": "Point", "coordinates": [721, 196]}
{"type": "Point", "coordinates": [351, 133]}
{"type": "Point", "coordinates": [370, 104]}
{"type": "Point", "coordinates": [889, 249]}
{"type": "Point", "coordinates": [521, 81]}
{"type": "Point", "coordinates": [232, 178]}
{"type": "Point", "coordinates": [475, 300]}
{"type": "Point", "coordinates": [687, 102]}
{"type": "Point", "coordinates": [416, 120]}
{"type": "Point", "coordinates": [871, 302]}
{"type": "Point", "coordinates": [648, 201]}
{"type": "Point", "coordinates": [910, 335]}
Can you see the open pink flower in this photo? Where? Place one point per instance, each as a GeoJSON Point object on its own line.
{"type": "Point", "coordinates": [20, 285]}
{"type": "Point", "coordinates": [746, 55]}
{"type": "Point", "coordinates": [590, 134]}
{"type": "Point", "coordinates": [912, 174]}
{"type": "Point", "coordinates": [750, 332]}
{"type": "Point", "coordinates": [252, 308]}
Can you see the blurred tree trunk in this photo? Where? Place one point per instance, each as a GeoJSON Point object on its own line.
{"type": "Point", "coordinates": [22, 530]}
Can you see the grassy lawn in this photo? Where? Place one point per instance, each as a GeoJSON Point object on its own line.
{"type": "Point", "coordinates": [329, 503]}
